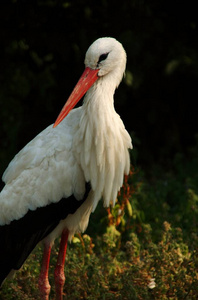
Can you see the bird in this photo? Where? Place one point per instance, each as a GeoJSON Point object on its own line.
{"type": "Point", "coordinates": [56, 181]}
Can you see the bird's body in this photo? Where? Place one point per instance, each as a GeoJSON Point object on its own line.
{"type": "Point", "coordinates": [57, 179]}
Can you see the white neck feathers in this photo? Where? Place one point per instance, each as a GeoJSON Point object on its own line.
{"type": "Point", "coordinates": [101, 144]}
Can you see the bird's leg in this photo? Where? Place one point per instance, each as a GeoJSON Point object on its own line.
{"type": "Point", "coordinates": [59, 269]}
{"type": "Point", "coordinates": [44, 285]}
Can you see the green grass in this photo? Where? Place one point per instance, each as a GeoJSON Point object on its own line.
{"type": "Point", "coordinates": [143, 248]}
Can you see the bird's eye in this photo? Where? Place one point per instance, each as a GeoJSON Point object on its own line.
{"type": "Point", "coordinates": [102, 57]}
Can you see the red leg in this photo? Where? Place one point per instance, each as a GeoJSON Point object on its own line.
{"type": "Point", "coordinates": [59, 270]}
{"type": "Point", "coordinates": [44, 285]}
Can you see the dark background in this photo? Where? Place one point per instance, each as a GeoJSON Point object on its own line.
{"type": "Point", "coordinates": [42, 50]}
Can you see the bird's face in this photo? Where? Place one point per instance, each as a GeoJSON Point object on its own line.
{"type": "Point", "coordinates": [105, 59]}
{"type": "Point", "coordinates": [107, 55]}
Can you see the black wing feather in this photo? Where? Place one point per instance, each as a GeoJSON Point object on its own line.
{"type": "Point", "coordinates": [19, 238]}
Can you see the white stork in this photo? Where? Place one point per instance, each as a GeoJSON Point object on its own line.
{"type": "Point", "coordinates": [55, 182]}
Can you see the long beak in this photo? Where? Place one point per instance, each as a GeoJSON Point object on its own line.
{"type": "Point", "coordinates": [87, 79]}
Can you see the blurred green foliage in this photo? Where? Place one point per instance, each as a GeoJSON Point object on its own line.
{"type": "Point", "coordinates": [143, 248]}
{"type": "Point", "coordinates": [146, 246]}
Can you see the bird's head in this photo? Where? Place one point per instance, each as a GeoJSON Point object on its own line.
{"type": "Point", "coordinates": [105, 58]}
{"type": "Point", "coordinates": [108, 56]}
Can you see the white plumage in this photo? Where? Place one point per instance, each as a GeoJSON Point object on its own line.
{"type": "Point", "coordinates": [89, 145]}
{"type": "Point", "coordinates": [44, 171]}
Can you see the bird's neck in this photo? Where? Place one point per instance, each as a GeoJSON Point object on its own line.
{"type": "Point", "coordinates": [99, 103]}
{"type": "Point", "coordinates": [101, 144]}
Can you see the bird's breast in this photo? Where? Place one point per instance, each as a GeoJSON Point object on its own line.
{"type": "Point", "coordinates": [101, 149]}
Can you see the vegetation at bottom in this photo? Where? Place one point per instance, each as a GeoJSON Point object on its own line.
{"type": "Point", "coordinates": [143, 248]}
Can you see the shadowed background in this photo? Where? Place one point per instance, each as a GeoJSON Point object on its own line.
{"type": "Point", "coordinates": [43, 44]}
{"type": "Point", "coordinates": [151, 233]}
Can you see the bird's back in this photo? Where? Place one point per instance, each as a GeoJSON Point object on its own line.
{"type": "Point", "coordinates": [40, 191]}
{"type": "Point", "coordinates": [41, 173]}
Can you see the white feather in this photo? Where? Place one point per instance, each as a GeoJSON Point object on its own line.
{"type": "Point", "coordinates": [44, 171]}
{"type": "Point", "coordinates": [91, 144]}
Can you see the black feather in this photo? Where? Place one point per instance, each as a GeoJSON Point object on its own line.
{"type": "Point", "coordinates": [19, 238]}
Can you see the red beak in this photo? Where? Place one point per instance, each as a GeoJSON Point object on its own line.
{"type": "Point", "coordinates": [87, 79]}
